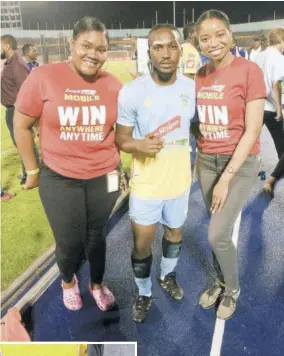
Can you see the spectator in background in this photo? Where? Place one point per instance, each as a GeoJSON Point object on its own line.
{"type": "Point", "coordinates": [271, 61]}
{"type": "Point", "coordinates": [238, 51]}
{"type": "Point", "coordinates": [30, 56]}
{"type": "Point", "coordinates": [190, 60]}
{"type": "Point", "coordinates": [259, 44]}
{"type": "Point", "coordinates": [14, 73]}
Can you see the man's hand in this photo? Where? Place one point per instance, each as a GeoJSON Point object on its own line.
{"type": "Point", "coordinates": [31, 182]}
{"type": "Point", "coordinates": [219, 197]}
{"type": "Point", "coordinates": [150, 145]}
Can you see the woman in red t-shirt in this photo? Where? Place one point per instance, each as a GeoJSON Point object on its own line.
{"type": "Point", "coordinates": [230, 103]}
{"type": "Point", "coordinates": [76, 104]}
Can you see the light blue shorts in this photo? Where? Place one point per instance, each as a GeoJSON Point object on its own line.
{"type": "Point", "coordinates": [171, 212]}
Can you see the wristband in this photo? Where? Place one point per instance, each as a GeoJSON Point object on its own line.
{"type": "Point", "coordinates": [35, 171]}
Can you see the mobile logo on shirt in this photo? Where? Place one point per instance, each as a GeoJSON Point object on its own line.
{"type": "Point", "coordinates": [215, 92]}
{"type": "Point", "coordinates": [83, 95]}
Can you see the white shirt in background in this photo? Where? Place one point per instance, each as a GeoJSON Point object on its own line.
{"type": "Point", "coordinates": [271, 61]}
{"type": "Point", "coordinates": [254, 53]}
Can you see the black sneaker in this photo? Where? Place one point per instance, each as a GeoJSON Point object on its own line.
{"type": "Point", "coordinates": [141, 308]}
{"type": "Point", "coordinates": [169, 284]}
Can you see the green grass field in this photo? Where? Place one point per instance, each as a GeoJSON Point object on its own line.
{"type": "Point", "coordinates": [25, 230]}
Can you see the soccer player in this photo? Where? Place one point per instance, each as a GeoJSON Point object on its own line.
{"type": "Point", "coordinates": [153, 124]}
{"type": "Point", "coordinates": [30, 56]}
{"type": "Point", "coordinates": [13, 75]}
{"type": "Point", "coordinates": [230, 101]}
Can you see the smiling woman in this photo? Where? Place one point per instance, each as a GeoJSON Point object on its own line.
{"type": "Point", "coordinates": [230, 101]}
{"type": "Point", "coordinates": [89, 47]}
{"type": "Point", "coordinates": [76, 105]}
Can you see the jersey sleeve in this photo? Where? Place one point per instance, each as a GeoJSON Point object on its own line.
{"type": "Point", "coordinates": [126, 107]}
{"type": "Point", "coordinates": [256, 88]}
{"type": "Point", "coordinates": [29, 100]}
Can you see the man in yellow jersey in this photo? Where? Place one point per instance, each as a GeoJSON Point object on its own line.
{"type": "Point", "coordinates": [190, 60]}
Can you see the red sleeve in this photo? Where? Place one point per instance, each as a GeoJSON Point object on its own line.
{"type": "Point", "coordinates": [29, 100]}
{"type": "Point", "coordinates": [256, 88]}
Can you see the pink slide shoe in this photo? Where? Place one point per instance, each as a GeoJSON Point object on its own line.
{"type": "Point", "coordinates": [71, 297]}
{"type": "Point", "coordinates": [104, 298]}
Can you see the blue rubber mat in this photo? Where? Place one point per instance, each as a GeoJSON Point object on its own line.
{"type": "Point", "coordinates": [183, 328]}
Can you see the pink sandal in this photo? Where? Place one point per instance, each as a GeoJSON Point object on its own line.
{"type": "Point", "coordinates": [104, 298]}
{"type": "Point", "coordinates": [71, 297]}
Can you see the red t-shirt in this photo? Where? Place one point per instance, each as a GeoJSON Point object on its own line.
{"type": "Point", "coordinates": [221, 103]}
{"type": "Point", "coordinates": [76, 119]}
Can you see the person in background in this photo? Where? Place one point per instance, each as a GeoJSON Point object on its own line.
{"type": "Point", "coordinates": [76, 105]}
{"type": "Point", "coordinates": [154, 115]}
{"type": "Point", "coordinates": [190, 60]}
{"type": "Point", "coordinates": [230, 101]}
{"type": "Point", "coordinates": [271, 62]}
{"type": "Point", "coordinates": [30, 56]}
{"type": "Point", "coordinates": [14, 73]}
{"type": "Point", "coordinates": [259, 44]}
{"type": "Point", "coordinates": [238, 51]}
{"type": "Point", "coordinates": [276, 175]}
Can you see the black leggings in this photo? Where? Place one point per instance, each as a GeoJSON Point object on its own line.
{"type": "Point", "coordinates": [276, 130]}
{"type": "Point", "coordinates": [279, 169]}
{"type": "Point", "coordinates": [78, 211]}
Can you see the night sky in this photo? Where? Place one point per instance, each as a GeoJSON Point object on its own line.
{"type": "Point", "coordinates": [131, 13]}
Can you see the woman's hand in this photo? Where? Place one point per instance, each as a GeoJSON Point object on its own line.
{"type": "Point", "coordinates": [220, 193]}
{"type": "Point", "coordinates": [31, 182]}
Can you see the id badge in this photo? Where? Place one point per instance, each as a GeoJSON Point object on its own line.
{"type": "Point", "coordinates": [112, 182]}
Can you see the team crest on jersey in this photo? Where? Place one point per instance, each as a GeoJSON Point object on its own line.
{"type": "Point", "coordinates": [148, 103]}
{"type": "Point", "coordinates": [184, 99]}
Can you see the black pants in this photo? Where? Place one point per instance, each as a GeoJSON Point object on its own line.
{"type": "Point", "coordinates": [10, 125]}
{"type": "Point", "coordinates": [78, 211]}
{"type": "Point", "coordinates": [276, 130]}
{"type": "Point", "coordinates": [95, 350]}
{"type": "Point", "coordinates": [279, 169]}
